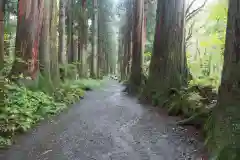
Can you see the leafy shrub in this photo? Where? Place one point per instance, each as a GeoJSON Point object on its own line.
{"type": "Point", "coordinates": [68, 93]}
{"type": "Point", "coordinates": [194, 103]}
{"type": "Point", "coordinates": [23, 108]}
{"type": "Point", "coordinates": [72, 90]}
{"type": "Point", "coordinates": [7, 65]}
{"type": "Point", "coordinates": [69, 70]}
{"type": "Point", "coordinates": [212, 81]}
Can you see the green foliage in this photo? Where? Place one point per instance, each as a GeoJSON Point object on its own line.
{"type": "Point", "coordinates": [205, 53]}
{"type": "Point", "coordinates": [71, 91]}
{"type": "Point", "coordinates": [88, 84]}
{"type": "Point", "coordinates": [7, 65]}
{"type": "Point", "coordinates": [213, 81]}
{"type": "Point", "coordinates": [69, 70]}
{"type": "Point", "coordinates": [23, 108]}
{"type": "Point", "coordinates": [68, 93]}
{"type": "Point", "coordinates": [194, 103]}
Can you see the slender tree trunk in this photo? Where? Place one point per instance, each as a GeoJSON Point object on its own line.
{"type": "Point", "coordinates": [62, 25]}
{"type": "Point", "coordinates": [129, 56]}
{"type": "Point", "coordinates": [121, 55]}
{"type": "Point", "coordinates": [125, 56]}
{"type": "Point", "coordinates": [84, 42]}
{"type": "Point", "coordinates": [129, 37]}
{"type": "Point", "coordinates": [62, 42]}
{"type": "Point", "coordinates": [53, 43]}
{"type": "Point", "coordinates": [70, 31]}
{"type": "Point", "coordinates": [2, 10]}
{"type": "Point", "coordinates": [44, 47]}
{"type": "Point", "coordinates": [2, 86]}
{"type": "Point", "coordinates": [225, 136]}
{"type": "Point", "coordinates": [167, 61]}
{"type": "Point", "coordinates": [100, 42]}
{"type": "Point", "coordinates": [93, 72]}
{"type": "Point", "coordinates": [136, 67]}
{"type": "Point", "coordinates": [80, 50]}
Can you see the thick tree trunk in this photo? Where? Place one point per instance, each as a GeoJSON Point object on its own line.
{"type": "Point", "coordinates": [27, 37]}
{"type": "Point", "coordinates": [127, 41]}
{"type": "Point", "coordinates": [136, 67]}
{"type": "Point", "coordinates": [225, 135]}
{"type": "Point", "coordinates": [167, 61]}
{"type": "Point", "coordinates": [2, 8]}
{"type": "Point", "coordinates": [93, 71]}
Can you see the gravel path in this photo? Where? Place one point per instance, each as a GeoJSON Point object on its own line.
{"type": "Point", "coordinates": [106, 125]}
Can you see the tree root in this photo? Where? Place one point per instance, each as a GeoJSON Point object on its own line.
{"type": "Point", "coordinates": [195, 120]}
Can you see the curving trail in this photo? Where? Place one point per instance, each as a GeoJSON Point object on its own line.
{"type": "Point", "coordinates": [106, 125]}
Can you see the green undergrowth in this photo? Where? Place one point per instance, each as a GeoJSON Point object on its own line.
{"type": "Point", "coordinates": [24, 106]}
{"type": "Point", "coordinates": [194, 103]}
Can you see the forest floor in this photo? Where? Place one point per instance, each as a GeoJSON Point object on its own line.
{"type": "Point", "coordinates": [108, 125]}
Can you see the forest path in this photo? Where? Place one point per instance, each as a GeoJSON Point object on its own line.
{"type": "Point", "coordinates": [106, 125]}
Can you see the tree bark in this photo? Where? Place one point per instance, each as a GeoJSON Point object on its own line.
{"type": "Point", "coordinates": [121, 54]}
{"type": "Point", "coordinates": [83, 42]}
{"type": "Point", "coordinates": [53, 44]}
{"type": "Point", "coordinates": [100, 40]}
{"type": "Point", "coordinates": [2, 86]}
{"type": "Point", "coordinates": [70, 31]}
{"type": "Point", "coordinates": [44, 47]}
{"type": "Point", "coordinates": [2, 10]}
{"type": "Point", "coordinates": [61, 39]}
{"type": "Point", "coordinates": [62, 32]}
{"type": "Point", "coordinates": [93, 71]}
{"type": "Point", "coordinates": [167, 62]}
{"type": "Point", "coordinates": [225, 135]}
{"type": "Point", "coordinates": [136, 66]}
{"type": "Point", "coordinates": [27, 37]}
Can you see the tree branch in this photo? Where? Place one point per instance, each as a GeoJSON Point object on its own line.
{"type": "Point", "coordinates": [190, 31]}
{"type": "Point", "coordinates": [190, 6]}
{"type": "Point", "coordinates": [190, 15]}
